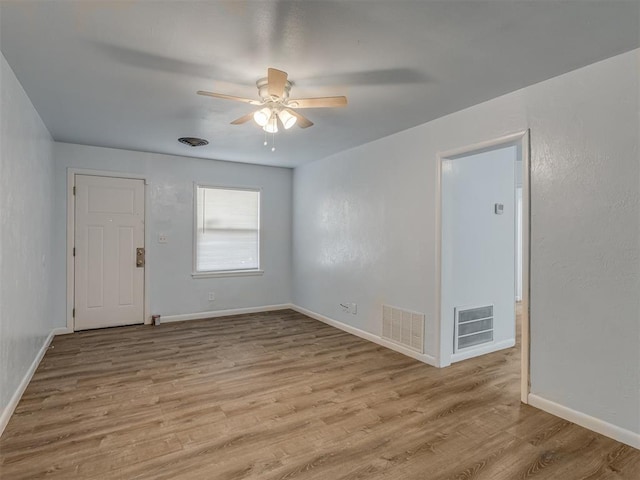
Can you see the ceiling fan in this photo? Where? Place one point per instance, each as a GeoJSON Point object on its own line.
{"type": "Point", "coordinates": [277, 107]}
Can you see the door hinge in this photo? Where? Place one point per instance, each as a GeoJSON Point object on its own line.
{"type": "Point", "coordinates": [74, 251]}
{"type": "Point", "coordinates": [74, 190]}
{"type": "Point", "coordinates": [140, 257]}
{"type": "Point", "coordinates": [73, 313]}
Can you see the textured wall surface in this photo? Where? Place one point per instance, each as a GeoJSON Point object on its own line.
{"type": "Point", "coordinates": [169, 206]}
{"type": "Point", "coordinates": [585, 240]}
{"type": "Point", "coordinates": [364, 220]}
{"type": "Point", "coordinates": [26, 198]}
{"type": "Point", "coordinates": [364, 230]}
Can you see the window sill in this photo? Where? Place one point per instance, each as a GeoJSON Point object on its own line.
{"type": "Point", "coordinates": [227, 273]}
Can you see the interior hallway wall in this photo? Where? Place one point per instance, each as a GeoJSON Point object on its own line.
{"type": "Point", "coordinates": [478, 248]}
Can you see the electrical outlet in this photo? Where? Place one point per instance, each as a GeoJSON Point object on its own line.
{"type": "Point", "coordinates": [212, 296]}
{"type": "Point", "coordinates": [162, 238]}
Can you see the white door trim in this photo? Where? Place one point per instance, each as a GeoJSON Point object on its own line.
{"type": "Point", "coordinates": [522, 139]}
{"type": "Point", "coordinates": [71, 175]}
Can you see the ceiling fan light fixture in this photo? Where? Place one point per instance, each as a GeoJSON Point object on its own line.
{"type": "Point", "coordinates": [262, 116]}
{"type": "Point", "coordinates": [287, 119]}
{"type": "Point", "coordinates": [275, 106]}
{"type": "Point", "coordinates": [272, 125]}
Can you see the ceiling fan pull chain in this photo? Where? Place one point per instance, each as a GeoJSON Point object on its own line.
{"type": "Point", "coordinates": [265, 138]}
{"type": "Point", "coordinates": [273, 142]}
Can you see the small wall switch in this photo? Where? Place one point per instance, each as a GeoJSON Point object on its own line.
{"type": "Point", "coordinates": [212, 296]}
{"type": "Point", "coordinates": [354, 308]}
{"type": "Point", "coordinates": [499, 208]}
{"type": "Point", "coordinates": [162, 238]}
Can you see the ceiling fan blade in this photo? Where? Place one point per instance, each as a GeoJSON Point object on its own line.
{"type": "Point", "coordinates": [320, 102]}
{"type": "Point", "coordinates": [243, 119]}
{"type": "Point", "coordinates": [302, 122]}
{"type": "Point", "coordinates": [277, 80]}
{"type": "Point", "coordinates": [229, 97]}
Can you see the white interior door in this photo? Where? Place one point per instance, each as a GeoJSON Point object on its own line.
{"type": "Point", "coordinates": [478, 251]}
{"type": "Point", "coordinates": [109, 228]}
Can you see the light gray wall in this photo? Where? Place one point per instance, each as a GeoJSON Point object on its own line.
{"type": "Point", "coordinates": [478, 248]}
{"type": "Point", "coordinates": [26, 198]}
{"type": "Point", "coordinates": [364, 220]}
{"type": "Point", "coordinates": [170, 211]}
{"type": "Point", "coordinates": [585, 285]}
{"type": "Point", "coordinates": [364, 230]}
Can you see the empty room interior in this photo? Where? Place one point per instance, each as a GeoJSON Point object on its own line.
{"type": "Point", "coordinates": [320, 239]}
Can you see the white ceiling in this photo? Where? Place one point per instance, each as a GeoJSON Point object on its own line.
{"type": "Point", "coordinates": [124, 74]}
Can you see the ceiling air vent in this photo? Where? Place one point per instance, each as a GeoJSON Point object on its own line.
{"type": "Point", "coordinates": [193, 141]}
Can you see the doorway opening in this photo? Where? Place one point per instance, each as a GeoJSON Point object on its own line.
{"type": "Point", "coordinates": [483, 251]}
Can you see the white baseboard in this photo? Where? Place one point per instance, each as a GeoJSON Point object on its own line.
{"type": "Point", "coordinates": [587, 421]}
{"type": "Point", "coordinates": [62, 331]}
{"type": "Point", "coordinates": [483, 350]}
{"type": "Point", "coordinates": [17, 395]}
{"type": "Point", "coordinates": [422, 357]}
{"type": "Point", "coordinates": [223, 313]}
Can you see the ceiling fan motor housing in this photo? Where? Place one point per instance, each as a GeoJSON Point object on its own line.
{"type": "Point", "coordinates": [263, 89]}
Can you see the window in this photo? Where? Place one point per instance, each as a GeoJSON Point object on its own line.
{"type": "Point", "coordinates": [227, 237]}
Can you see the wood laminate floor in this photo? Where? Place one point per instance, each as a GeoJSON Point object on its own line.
{"type": "Point", "coordinates": [281, 396]}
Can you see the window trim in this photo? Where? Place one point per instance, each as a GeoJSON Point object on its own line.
{"type": "Point", "coordinates": [195, 273]}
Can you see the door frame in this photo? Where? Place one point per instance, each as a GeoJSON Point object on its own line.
{"type": "Point", "coordinates": [71, 177]}
{"type": "Point", "coordinates": [521, 139]}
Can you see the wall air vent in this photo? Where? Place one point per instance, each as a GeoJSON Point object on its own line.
{"type": "Point", "coordinates": [193, 141]}
{"type": "Point", "coordinates": [403, 327]}
{"type": "Point", "coordinates": [473, 327]}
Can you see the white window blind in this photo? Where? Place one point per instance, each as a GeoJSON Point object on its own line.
{"type": "Point", "coordinates": [227, 229]}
